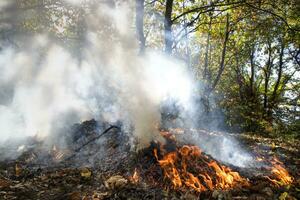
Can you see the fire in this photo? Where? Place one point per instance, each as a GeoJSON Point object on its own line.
{"type": "Point", "coordinates": [170, 171]}
{"type": "Point", "coordinates": [188, 167]}
{"type": "Point", "coordinates": [282, 175]}
{"type": "Point", "coordinates": [135, 177]}
{"type": "Point", "coordinates": [226, 177]}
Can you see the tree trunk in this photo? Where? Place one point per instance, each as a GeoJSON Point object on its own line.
{"type": "Point", "coordinates": [188, 51]}
{"type": "Point", "coordinates": [206, 52]}
{"type": "Point", "coordinates": [140, 24]}
{"type": "Point", "coordinates": [222, 63]}
{"type": "Point", "coordinates": [252, 65]}
{"type": "Point", "coordinates": [168, 27]}
{"type": "Point", "coordinates": [267, 73]}
{"type": "Point", "coordinates": [239, 76]}
{"type": "Point", "coordinates": [280, 68]}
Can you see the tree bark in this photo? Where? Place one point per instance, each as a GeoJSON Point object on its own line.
{"type": "Point", "coordinates": [267, 73]}
{"type": "Point", "coordinates": [168, 27]}
{"type": "Point", "coordinates": [252, 65]}
{"type": "Point", "coordinates": [239, 77]}
{"type": "Point", "coordinates": [222, 63]}
{"type": "Point", "coordinates": [206, 52]}
{"type": "Point", "coordinates": [140, 7]}
{"type": "Point", "coordinates": [280, 68]}
{"type": "Point", "coordinates": [188, 51]}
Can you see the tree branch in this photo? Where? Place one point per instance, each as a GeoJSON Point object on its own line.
{"type": "Point", "coordinates": [210, 7]}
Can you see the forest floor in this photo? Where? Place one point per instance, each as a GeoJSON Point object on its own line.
{"type": "Point", "coordinates": [111, 176]}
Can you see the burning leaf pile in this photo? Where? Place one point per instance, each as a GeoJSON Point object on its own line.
{"type": "Point", "coordinates": [189, 167]}
{"type": "Point", "coordinates": [172, 170]}
{"type": "Point", "coordinates": [186, 168]}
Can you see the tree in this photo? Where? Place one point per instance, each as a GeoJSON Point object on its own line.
{"type": "Point", "coordinates": [168, 27]}
{"type": "Point", "coordinates": [140, 24]}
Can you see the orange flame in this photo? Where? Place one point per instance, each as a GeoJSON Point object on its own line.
{"type": "Point", "coordinates": [282, 175]}
{"type": "Point", "coordinates": [135, 177]}
{"type": "Point", "coordinates": [175, 166]}
{"type": "Point", "coordinates": [193, 182]}
{"type": "Point", "coordinates": [170, 171]}
{"type": "Point", "coordinates": [226, 178]}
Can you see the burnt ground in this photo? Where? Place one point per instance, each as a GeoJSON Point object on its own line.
{"type": "Point", "coordinates": [100, 165]}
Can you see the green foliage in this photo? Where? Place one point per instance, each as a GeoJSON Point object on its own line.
{"type": "Point", "coordinates": [254, 86]}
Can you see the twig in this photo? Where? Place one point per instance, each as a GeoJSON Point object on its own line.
{"type": "Point", "coordinates": [92, 140]}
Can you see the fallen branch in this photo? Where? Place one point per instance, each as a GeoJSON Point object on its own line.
{"type": "Point", "coordinates": [90, 141]}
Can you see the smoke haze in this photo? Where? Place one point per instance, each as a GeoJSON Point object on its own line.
{"type": "Point", "coordinates": [44, 89]}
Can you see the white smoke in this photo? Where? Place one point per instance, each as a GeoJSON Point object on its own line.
{"type": "Point", "coordinates": [46, 92]}
{"type": "Point", "coordinates": [44, 88]}
{"type": "Point", "coordinates": [223, 148]}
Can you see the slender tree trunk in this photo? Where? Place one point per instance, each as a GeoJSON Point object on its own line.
{"type": "Point", "coordinates": [266, 92]}
{"type": "Point", "coordinates": [252, 65]}
{"type": "Point", "coordinates": [188, 51]}
{"type": "Point", "coordinates": [208, 90]}
{"type": "Point", "coordinates": [168, 27]}
{"type": "Point", "coordinates": [267, 73]}
{"type": "Point", "coordinates": [280, 68]}
{"type": "Point", "coordinates": [140, 24]}
{"type": "Point", "coordinates": [206, 51]}
{"type": "Point", "coordinates": [208, 75]}
{"type": "Point", "coordinates": [239, 76]}
{"type": "Point", "coordinates": [222, 63]}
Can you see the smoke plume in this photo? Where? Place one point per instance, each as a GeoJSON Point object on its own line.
{"type": "Point", "coordinates": [45, 88]}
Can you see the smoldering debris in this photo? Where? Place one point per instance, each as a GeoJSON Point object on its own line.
{"type": "Point", "coordinates": [118, 172]}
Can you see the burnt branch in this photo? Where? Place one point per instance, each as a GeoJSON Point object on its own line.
{"type": "Point", "coordinates": [92, 140]}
